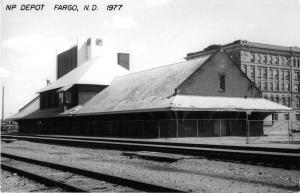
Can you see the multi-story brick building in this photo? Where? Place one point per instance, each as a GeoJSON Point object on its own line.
{"type": "Point", "coordinates": [274, 69]}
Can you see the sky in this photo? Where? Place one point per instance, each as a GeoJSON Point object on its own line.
{"type": "Point", "coordinates": [154, 32]}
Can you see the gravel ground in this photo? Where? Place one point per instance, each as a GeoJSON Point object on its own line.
{"type": "Point", "coordinates": [195, 175]}
{"type": "Point", "coordinates": [11, 182]}
{"type": "Point", "coordinates": [89, 184]}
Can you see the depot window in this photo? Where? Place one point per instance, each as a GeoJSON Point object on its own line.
{"type": "Point", "coordinates": [275, 117]}
{"type": "Point", "coordinates": [286, 116]}
{"type": "Point", "coordinates": [61, 97]}
{"type": "Point", "coordinates": [222, 83]}
{"type": "Point", "coordinates": [68, 97]}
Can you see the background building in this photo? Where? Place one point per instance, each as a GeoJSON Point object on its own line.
{"type": "Point", "coordinates": [275, 70]}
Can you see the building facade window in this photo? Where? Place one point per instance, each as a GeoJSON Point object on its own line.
{"type": "Point", "coordinates": [68, 97]}
{"type": "Point", "coordinates": [288, 101]}
{"type": "Point", "coordinates": [276, 86]}
{"type": "Point", "coordinates": [281, 75]}
{"type": "Point", "coordinates": [296, 75]}
{"type": "Point", "coordinates": [277, 99]}
{"type": "Point", "coordinates": [276, 74]}
{"type": "Point", "coordinates": [258, 85]}
{"type": "Point", "coordinates": [270, 85]}
{"type": "Point", "coordinates": [298, 116]}
{"type": "Point", "coordinates": [282, 86]}
{"type": "Point", "coordinates": [264, 85]}
{"type": "Point", "coordinates": [271, 74]}
{"type": "Point", "coordinates": [252, 73]}
{"type": "Point", "coordinates": [296, 87]}
{"type": "Point", "coordinates": [286, 75]}
{"type": "Point", "coordinates": [297, 102]}
{"type": "Point", "coordinates": [222, 83]}
{"type": "Point", "coordinates": [264, 73]}
{"type": "Point", "coordinates": [244, 69]}
{"type": "Point", "coordinates": [283, 101]}
{"type": "Point", "coordinates": [287, 87]}
{"type": "Point", "coordinates": [259, 73]}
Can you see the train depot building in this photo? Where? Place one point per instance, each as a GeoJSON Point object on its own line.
{"type": "Point", "coordinates": [205, 96]}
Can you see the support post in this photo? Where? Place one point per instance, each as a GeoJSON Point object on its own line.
{"type": "Point", "coordinates": [197, 130]}
{"type": "Point", "coordinates": [130, 134]}
{"type": "Point", "coordinates": [220, 127]}
{"type": "Point", "coordinates": [290, 129]}
{"type": "Point", "coordinates": [247, 126]}
{"type": "Point", "coordinates": [159, 129]}
{"type": "Point", "coordinates": [230, 127]}
{"type": "Point", "coordinates": [176, 128]}
{"type": "Point", "coordinates": [177, 124]}
{"type": "Point", "coordinates": [143, 135]}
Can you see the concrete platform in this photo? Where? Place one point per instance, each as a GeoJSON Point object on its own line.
{"type": "Point", "coordinates": [280, 142]}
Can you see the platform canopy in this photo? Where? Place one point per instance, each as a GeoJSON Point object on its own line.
{"type": "Point", "coordinates": [211, 103]}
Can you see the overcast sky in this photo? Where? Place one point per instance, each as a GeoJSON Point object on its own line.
{"type": "Point", "coordinates": [154, 32]}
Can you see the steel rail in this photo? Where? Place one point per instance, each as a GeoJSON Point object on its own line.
{"type": "Point", "coordinates": [138, 185]}
{"type": "Point", "coordinates": [234, 147]}
{"type": "Point", "coordinates": [42, 179]}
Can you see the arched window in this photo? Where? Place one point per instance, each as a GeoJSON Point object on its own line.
{"type": "Point", "coordinates": [288, 101]}
{"type": "Point", "coordinates": [271, 98]}
{"type": "Point", "coordinates": [265, 96]}
{"type": "Point", "coordinates": [283, 100]}
{"type": "Point", "coordinates": [277, 99]}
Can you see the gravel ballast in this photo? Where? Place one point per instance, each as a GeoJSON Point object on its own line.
{"type": "Point", "coordinates": [11, 182]}
{"type": "Point", "coordinates": [195, 175]}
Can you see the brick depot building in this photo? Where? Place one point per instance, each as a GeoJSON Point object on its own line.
{"type": "Point", "coordinates": [275, 70]}
{"type": "Point", "coordinates": [160, 102]}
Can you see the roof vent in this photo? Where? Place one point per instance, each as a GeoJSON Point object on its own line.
{"type": "Point", "coordinates": [99, 42]}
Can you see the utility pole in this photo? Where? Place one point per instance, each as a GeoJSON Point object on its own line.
{"type": "Point", "coordinates": [2, 115]}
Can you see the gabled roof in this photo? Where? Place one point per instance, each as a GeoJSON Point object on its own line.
{"type": "Point", "coordinates": [27, 109]}
{"type": "Point", "coordinates": [95, 71]}
{"type": "Point", "coordinates": [155, 90]}
{"type": "Point", "coordinates": [149, 89]}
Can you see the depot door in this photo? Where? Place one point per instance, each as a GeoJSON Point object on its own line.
{"type": "Point", "coordinates": [220, 127]}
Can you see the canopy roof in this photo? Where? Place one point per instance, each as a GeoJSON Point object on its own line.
{"type": "Point", "coordinates": [205, 103]}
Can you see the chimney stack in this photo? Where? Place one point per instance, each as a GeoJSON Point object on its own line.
{"type": "Point", "coordinates": [123, 60]}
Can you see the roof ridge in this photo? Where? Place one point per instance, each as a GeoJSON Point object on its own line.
{"type": "Point", "coordinates": [164, 66]}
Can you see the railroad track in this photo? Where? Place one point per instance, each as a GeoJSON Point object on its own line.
{"type": "Point", "coordinates": [236, 147]}
{"type": "Point", "coordinates": [74, 179]}
{"type": "Point", "coordinates": [273, 157]}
